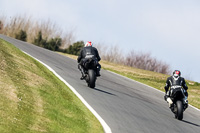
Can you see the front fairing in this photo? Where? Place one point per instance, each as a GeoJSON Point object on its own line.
{"type": "Point", "coordinates": [177, 94]}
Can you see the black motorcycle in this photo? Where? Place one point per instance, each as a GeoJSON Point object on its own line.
{"type": "Point", "coordinates": [179, 104]}
{"type": "Point", "coordinates": [90, 67]}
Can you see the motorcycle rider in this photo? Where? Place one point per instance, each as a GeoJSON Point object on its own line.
{"type": "Point", "coordinates": [175, 81]}
{"type": "Point", "coordinates": [88, 52]}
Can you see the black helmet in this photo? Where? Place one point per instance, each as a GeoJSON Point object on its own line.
{"type": "Point", "coordinates": [177, 73]}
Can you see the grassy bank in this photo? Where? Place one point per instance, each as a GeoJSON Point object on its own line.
{"type": "Point", "coordinates": [33, 100]}
{"type": "Point", "coordinates": [153, 79]}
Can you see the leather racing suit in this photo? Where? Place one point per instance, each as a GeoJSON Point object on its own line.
{"type": "Point", "coordinates": [86, 53]}
{"type": "Point", "coordinates": [175, 82]}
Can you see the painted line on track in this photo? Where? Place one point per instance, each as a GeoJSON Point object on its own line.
{"type": "Point", "coordinates": [103, 123]}
{"type": "Point", "coordinates": [145, 85]}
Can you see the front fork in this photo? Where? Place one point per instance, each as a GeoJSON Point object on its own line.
{"type": "Point", "coordinates": [185, 103]}
{"type": "Point", "coordinates": [185, 100]}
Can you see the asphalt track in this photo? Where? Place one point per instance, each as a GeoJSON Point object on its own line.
{"type": "Point", "coordinates": [125, 105]}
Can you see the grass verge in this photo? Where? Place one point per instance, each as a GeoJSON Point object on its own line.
{"type": "Point", "coordinates": [153, 79]}
{"type": "Point", "coordinates": [34, 100]}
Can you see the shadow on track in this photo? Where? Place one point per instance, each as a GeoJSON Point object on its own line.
{"type": "Point", "coordinates": [191, 123]}
{"type": "Point", "coordinates": [103, 91]}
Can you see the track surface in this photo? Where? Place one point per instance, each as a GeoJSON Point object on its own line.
{"type": "Point", "coordinates": [125, 105]}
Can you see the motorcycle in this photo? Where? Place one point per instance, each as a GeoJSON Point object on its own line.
{"type": "Point", "coordinates": [178, 102]}
{"type": "Point", "coordinates": [90, 67]}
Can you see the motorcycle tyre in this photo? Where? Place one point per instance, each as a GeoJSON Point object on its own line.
{"type": "Point", "coordinates": [179, 113]}
{"type": "Point", "coordinates": [92, 78]}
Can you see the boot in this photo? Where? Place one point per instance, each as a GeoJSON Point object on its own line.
{"type": "Point", "coordinates": [169, 101]}
{"type": "Point", "coordinates": [83, 74]}
{"type": "Point", "coordinates": [185, 102]}
{"type": "Point", "coordinates": [82, 78]}
{"type": "Point", "coordinates": [98, 71]}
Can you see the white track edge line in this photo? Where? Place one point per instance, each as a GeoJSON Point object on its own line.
{"type": "Point", "coordinates": [145, 85]}
{"type": "Point", "coordinates": [103, 123]}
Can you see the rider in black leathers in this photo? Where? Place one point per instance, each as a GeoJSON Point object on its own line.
{"type": "Point", "coordinates": [175, 81]}
{"type": "Point", "coordinates": [88, 52]}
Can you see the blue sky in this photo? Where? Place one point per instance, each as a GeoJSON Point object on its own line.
{"type": "Point", "coordinates": [168, 29]}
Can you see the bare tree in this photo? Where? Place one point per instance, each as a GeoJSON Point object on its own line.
{"type": "Point", "coordinates": [146, 62]}
{"type": "Point", "coordinates": [68, 39]}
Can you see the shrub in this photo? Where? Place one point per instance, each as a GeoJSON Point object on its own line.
{"type": "Point", "coordinates": [21, 35]}
{"type": "Point", "coordinates": [1, 26]}
{"type": "Point", "coordinates": [54, 44]}
{"type": "Point", "coordinates": [75, 48]}
{"type": "Point", "coordinates": [197, 84]}
{"type": "Point", "coordinates": [39, 40]}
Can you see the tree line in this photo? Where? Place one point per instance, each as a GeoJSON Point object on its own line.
{"type": "Point", "coordinates": [49, 36]}
{"type": "Point", "coordinates": [44, 34]}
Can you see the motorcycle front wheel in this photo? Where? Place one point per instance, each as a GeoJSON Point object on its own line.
{"type": "Point", "coordinates": [179, 113]}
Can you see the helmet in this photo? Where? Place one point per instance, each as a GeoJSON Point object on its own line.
{"type": "Point", "coordinates": [88, 43]}
{"type": "Point", "coordinates": [177, 73]}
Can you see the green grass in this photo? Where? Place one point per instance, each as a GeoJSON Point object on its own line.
{"type": "Point", "coordinates": [33, 99]}
{"type": "Point", "coordinates": [153, 79]}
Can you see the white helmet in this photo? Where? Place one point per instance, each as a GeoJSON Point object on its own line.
{"type": "Point", "coordinates": [176, 73]}
{"type": "Point", "coordinates": [88, 43]}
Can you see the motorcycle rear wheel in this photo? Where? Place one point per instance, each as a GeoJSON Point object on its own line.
{"type": "Point", "coordinates": [92, 78]}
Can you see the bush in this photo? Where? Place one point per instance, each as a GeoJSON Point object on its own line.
{"type": "Point", "coordinates": [52, 44]}
{"type": "Point", "coordinates": [1, 26]}
{"type": "Point", "coordinates": [21, 35]}
{"type": "Point", "coordinates": [197, 84]}
{"type": "Point", "coordinates": [39, 41]}
{"type": "Point", "coordinates": [75, 48]}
